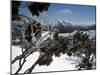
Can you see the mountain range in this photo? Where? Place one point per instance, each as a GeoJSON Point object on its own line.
{"type": "Point", "coordinates": [67, 27]}
{"type": "Point", "coordinates": [62, 26]}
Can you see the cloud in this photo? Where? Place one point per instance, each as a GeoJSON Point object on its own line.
{"type": "Point", "coordinates": [65, 11]}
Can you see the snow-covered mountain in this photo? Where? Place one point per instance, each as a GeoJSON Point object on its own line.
{"type": "Point", "coordinates": [67, 27]}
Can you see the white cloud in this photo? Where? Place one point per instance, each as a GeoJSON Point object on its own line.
{"type": "Point", "coordinates": [65, 11]}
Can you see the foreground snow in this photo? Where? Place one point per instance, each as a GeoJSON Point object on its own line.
{"type": "Point", "coordinates": [62, 63]}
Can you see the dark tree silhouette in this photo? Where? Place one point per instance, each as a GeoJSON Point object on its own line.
{"type": "Point", "coordinates": [34, 7]}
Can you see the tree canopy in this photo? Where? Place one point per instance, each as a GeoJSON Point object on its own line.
{"type": "Point", "coordinates": [34, 7]}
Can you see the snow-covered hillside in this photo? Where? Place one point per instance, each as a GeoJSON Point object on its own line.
{"type": "Point", "coordinates": [91, 33]}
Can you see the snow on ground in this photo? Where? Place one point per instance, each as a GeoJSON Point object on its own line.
{"type": "Point", "coordinates": [16, 50]}
{"type": "Point", "coordinates": [62, 63]}
{"type": "Point", "coordinates": [67, 34]}
{"type": "Point", "coordinates": [31, 59]}
{"type": "Point", "coordinates": [91, 33]}
{"type": "Point", "coordinates": [58, 64]}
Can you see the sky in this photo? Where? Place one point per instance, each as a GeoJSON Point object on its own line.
{"type": "Point", "coordinates": [79, 14]}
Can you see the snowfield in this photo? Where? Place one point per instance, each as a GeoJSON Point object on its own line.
{"type": "Point", "coordinates": [61, 63]}
{"type": "Point", "coordinates": [91, 33]}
